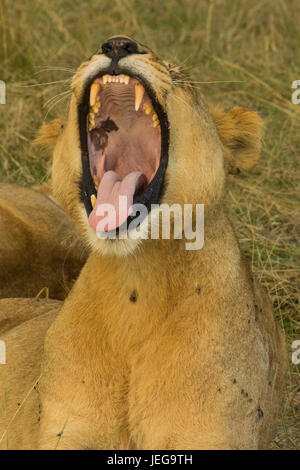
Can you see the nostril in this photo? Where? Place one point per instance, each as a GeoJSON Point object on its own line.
{"type": "Point", "coordinates": [119, 47]}
{"type": "Point", "coordinates": [131, 47]}
{"type": "Point", "coordinates": [106, 47]}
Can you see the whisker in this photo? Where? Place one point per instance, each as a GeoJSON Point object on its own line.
{"type": "Point", "coordinates": [182, 64]}
{"type": "Point", "coordinates": [55, 103]}
{"type": "Point", "coordinates": [209, 82]}
{"type": "Point", "coordinates": [41, 84]}
{"type": "Point", "coordinates": [183, 101]}
{"type": "Point", "coordinates": [56, 96]}
{"type": "Point", "coordinates": [53, 67]}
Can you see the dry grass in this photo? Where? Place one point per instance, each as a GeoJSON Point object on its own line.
{"type": "Point", "coordinates": [254, 43]}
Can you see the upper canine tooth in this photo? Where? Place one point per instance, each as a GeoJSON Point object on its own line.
{"type": "Point", "coordinates": [126, 79]}
{"type": "Point", "coordinates": [139, 93]}
{"type": "Point", "coordinates": [94, 91]}
{"type": "Point", "coordinates": [105, 79]}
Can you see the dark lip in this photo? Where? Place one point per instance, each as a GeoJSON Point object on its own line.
{"type": "Point", "coordinates": [154, 191]}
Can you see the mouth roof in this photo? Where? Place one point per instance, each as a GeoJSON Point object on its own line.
{"type": "Point", "coordinates": [124, 143]}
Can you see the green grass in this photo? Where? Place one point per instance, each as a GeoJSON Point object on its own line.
{"type": "Point", "coordinates": [252, 43]}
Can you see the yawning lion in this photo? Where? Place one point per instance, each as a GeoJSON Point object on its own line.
{"type": "Point", "coordinates": [156, 346]}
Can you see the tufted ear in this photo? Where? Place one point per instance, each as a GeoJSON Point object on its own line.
{"type": "Point", "coordinates": [48, 134]}
{"type": "Point", "coordinates": [240, 131]}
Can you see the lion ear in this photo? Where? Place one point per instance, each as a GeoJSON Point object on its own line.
{"type": "Point", "coordinates": [240, 131]}
{"type": "Point", "coordinates": [48, 134]}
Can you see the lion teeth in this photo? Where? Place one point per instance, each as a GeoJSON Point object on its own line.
{"type": "Point", "coordinates": [147, 108]}
{"type": "Point", "coordinates": [94, 91]}
{"type": "Point", "coordinates": [139, 93]}
{"type": "Point", "coordinates": [91, 121]}
{"type": "Point", "coordinates": [93, 200]}
{"type": "Point", "coordinates": [96, 107]}
{"type": "Point", "coordinates": [154, 116]}
{"type": "Point", "coordinates": [115, 79]}
{"type": "Point", "coordinates": [96, 182]}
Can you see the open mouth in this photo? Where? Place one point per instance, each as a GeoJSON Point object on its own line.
{"type": "Point", "coordinates": [124, 142]}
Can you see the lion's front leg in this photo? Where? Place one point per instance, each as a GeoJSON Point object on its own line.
{"type": "Point", "coordinates": [82, 391]}
{"type": "Point", "coordinates": [65, 429]}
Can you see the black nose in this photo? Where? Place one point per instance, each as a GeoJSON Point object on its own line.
{"type": "Point", "coordinates": [119, 47]}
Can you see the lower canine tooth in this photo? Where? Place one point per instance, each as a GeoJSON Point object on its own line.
{"type": "Point", "coordinates": [93, 200]}
{"type": "Point", "coordinates": [94, 91]}
{"type": "Point", "coordinates": [96, 182]}
{"type": "Point", "coordinates": [139, 93]}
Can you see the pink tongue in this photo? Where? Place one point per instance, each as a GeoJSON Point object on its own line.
{"type": "Point", "coordinates": [103, 217]}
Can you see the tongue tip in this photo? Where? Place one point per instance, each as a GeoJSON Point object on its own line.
{"type": "Point", "coordinates": [114, 199]}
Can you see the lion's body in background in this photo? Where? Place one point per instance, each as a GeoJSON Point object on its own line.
{"type": "Point", "coordinates": [40, 251]}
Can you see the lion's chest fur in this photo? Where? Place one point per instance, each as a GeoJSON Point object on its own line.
{"type": "Point", "coordinates": [134, 330]}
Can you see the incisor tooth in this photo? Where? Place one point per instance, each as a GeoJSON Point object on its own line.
{"type": "Point", "coordinates": [126, 79]}
{"type": "Point", "coordinates": [105, 79]}
{"type": "Point", "coordinates": [93, 200]}
{"type": "Point", "coordinates": [94, 91]}
{"type": "Point", "coordinates": [139, 93]}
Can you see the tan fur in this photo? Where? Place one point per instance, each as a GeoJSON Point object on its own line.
{"type": "Point", "coordinates": [48, 134]}
{"type": "Point", "coordinates": [40, 252]}
{"type": "Point", "coordinates": [160, 348]}
{"type": "Point", "coordinates": [240, 131]}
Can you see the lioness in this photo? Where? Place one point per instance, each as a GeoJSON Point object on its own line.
{"type": "Point", "coordinates": [40, 251]}
{"type": "Point", "coordinates": [156, 346]}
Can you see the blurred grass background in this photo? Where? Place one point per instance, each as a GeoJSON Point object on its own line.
{"type": "Point", "coordinates": [254, 43]}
